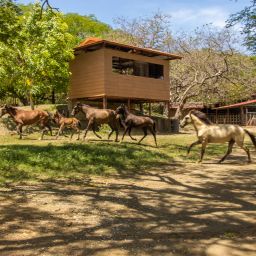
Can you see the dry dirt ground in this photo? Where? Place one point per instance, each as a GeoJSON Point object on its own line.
{"type": "Point", "coordinates": [177, 209]}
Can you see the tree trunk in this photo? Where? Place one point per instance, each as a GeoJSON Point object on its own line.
{"type": "Point", "coordinates": [31, 101]}
{"type": "Point", "coordinates": [53, 97]}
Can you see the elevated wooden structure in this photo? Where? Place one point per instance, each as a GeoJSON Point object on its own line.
{"type": "Point", "coordinates": [105, 71]}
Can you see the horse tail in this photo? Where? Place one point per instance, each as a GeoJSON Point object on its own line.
{"type": "Point", "coordinates": [79, 124]}
{"type": "Point", "coordinates": [252, 137]}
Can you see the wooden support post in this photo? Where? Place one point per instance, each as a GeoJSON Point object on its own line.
{"type": "Point", "coordinates": [141, 108]}
{"type": "Point", "coordinates": [168, 110]}
{"type": "Point", "coordinates": [149, 108]}
{"type": "Point", "coordinates": [228, 119]}
{"type": "Point", "coordinates": [216, 116]}
{"type": "Point", "coordinates": [242, 115]}
{"type": "Point", "coordinates": [129, 104]}
{"type": "Point", "coordinates": [246, 115]}
{"type": "Point", "coordinates": [105, 102]}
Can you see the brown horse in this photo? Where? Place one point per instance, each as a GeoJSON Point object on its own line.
{"type": "Point", "coordinates": [96, 117]}
{"type": "Point", "coordinates": [27, 117]}
{"type": "Point", "coordinates": [63, 122]}
{"type": "Point", "coordinates": [131, 120]}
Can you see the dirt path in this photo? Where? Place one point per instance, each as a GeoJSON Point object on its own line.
{"type": "Point", "coordinates": [177, 209]}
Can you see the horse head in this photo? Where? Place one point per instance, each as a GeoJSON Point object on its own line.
{"type": "Point", "coordinates": [120, 109]}
{"type": "Point", "coordinates": [76, 109]}
{"type": "Point", "coordinates": [5, 110]}
{"type": "Point", "coordinates": [186, 120]}
{"type": "Point", "coordinates": [56, 116]}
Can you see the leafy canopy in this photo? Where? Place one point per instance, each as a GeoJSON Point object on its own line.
{"type": "Point", "coordinates": [35, 59]}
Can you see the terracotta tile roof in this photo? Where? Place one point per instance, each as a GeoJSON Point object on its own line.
{"type": "Point", "coordinates": [244, 103]}
{"type": "Point", "coordinates": [91, 41]}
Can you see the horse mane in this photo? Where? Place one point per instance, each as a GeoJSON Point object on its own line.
{"type": "Point", "coordinates": [200, 115]}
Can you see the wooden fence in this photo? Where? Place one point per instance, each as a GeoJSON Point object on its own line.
{"type": "Point", "coordinates": [248, 119]}
{"type": "Point", "coordinates": [225, 119]}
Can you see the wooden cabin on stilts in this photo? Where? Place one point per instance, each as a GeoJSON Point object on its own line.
{"type": "Point", "coordinates": [107, 73]}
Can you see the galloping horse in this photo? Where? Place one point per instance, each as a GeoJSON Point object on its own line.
{"type": "Point", "coordinates": [27, 117]}
{"type": "Point", "coordinates": [207, 132]}
{"type": "Point", "coordinates": [63, 122]}
{"type": "Point", "coordinates": [96, 117]}
{"type": "Point", "coordinates": [131, 120]}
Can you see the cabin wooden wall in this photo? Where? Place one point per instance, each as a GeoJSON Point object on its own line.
{"type": "Point", "coordinates": [92, 77]}
{"type": "Point", "coordinates": [87, 79]}
{"type": "Point", "coordinates": [129, 86]}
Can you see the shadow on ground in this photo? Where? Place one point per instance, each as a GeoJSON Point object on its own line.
{"type": "Point", "coordinates": [169, 210]}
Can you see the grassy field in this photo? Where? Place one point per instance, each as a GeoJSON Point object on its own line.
{"type": "Point", "coordinates": [31, 159]}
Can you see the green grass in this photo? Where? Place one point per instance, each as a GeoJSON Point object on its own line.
{"type": "Point", "coordinates": [30, 159]}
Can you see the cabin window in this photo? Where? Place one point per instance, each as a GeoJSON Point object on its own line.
{"type": "Point", "coordinates": [137, 68]}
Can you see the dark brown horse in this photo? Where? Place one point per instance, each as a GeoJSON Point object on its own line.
{"type": "Point", "coordinates": [131, 120]}
{"type": "Point", "coordinates": [27, 117]}
{"type": "Point", "coordinates": [63, 122]}
{"type": "Point", "coordinates": [97, 117]}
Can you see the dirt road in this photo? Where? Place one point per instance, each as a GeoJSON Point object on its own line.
{"type": "Point", "coordinates": [176, 209]}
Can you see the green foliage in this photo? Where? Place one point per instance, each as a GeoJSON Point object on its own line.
{"type": "Point", "coordinates": [85, 26]}
{"type": "Point", "coordinates": [248, 18]}
{"type": "Point", "coordinates": [9, 20]}
{"type": "Point", "coordinates": [36, 59]}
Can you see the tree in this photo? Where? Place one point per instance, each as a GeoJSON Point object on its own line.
{"type": "Point", "coordinates": [37, 59]}
{"type": "Point", "coordinates": [150, 32]}
{"type": "Point", "coordinates": [9, 13]}
{"type": "Point", "coordinates": [84, 26]}
{"type": "Point", "coordinates": [210, 66]}
{"type": "Point", "coordinates": [248, 18]}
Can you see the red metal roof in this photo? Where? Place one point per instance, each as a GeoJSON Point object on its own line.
{"type": "Point", "coordinates": [240, 104]}
{"type": "Point", "coordinates": [91, 41]}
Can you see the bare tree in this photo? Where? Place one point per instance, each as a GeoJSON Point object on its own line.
{"type": "Point", "coordinates": [208, 70]}
{"type": "Point", "coordinates": [205, 62]}
{"type": "Point", "coordinates": [150, 32]}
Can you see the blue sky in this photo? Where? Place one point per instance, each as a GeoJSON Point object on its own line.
{"type": "Point", "coordinates": [186, 15]}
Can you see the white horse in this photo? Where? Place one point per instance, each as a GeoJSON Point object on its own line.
{"type": "Point", "coordinates": [207, 132]}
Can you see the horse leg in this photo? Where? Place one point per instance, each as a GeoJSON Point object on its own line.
{"type": "Point", "coordinates": [204, 143]}
{"type": "Point", "coordinates": [192, 145]}
{"type": "Point", "coordinates": [241, 145]}
{"type": "Point", "coordinates": [59, 131]}
{"type": "Point", "coordinates": [49, 128]}
{"type": "Point", "coordinates": [230, 146]}
{"type": "Point", "coordinates": [129, 132]}
{"type": "Point", "coordinates": [125, 131]}
{"type": "Point", "coordinates": [19, 130]}
{"type": "Point", "coordinates": [145, 134]}
{"type": "Point", "coordinates": [87, 128]}
{"type": "Point", "coordinates": [43, 132]}
{"type": "Point", "coordinates": [71, 135]}
{"type": "Point", "coordinates": [78, 131]}
{"type": "Point", "coordinates": [93, 129]}
{"type": "Point", "coordinates": [153, 133]}
{"type": "Point", "coordinates": [117, 132]}
{"type": "Point", "coordinates": [112, 130]}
